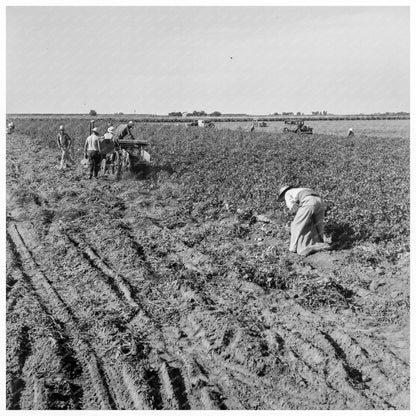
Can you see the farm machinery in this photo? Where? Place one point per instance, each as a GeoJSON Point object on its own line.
{"type": "Point", "coordinates": [300, 128]}
{"type": "Point", "coordinates": [257, 123]}
{"type": "Point", "coordinates": [124, 156]}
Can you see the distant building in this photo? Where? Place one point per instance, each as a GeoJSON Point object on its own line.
{"type": "Point", "coordinates": [185, 114]}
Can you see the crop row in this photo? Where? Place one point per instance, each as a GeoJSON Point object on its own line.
{"type": "Point", "coordinates": [365, 182]}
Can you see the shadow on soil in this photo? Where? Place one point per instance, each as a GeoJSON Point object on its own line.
{"type": "Point", "coordinates": [143, 172]}
{"type": "Point", "coordinates": [342, 235]}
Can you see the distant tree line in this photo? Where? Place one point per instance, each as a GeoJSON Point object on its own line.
{"type": "Point", "coordinates": [194, 113]}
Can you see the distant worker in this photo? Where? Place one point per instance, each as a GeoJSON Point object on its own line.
{"type": "Point", "coordinates": [252, 127]}
{"type": "Point", "coordinates": [350, 132]}
{"type": "Point", "coordinates": [92, 152]}
{"type": "Point", "coordinates": [124, 130]}
{"type": "Point", "coordinates": [64, 143]}
{"type": "Point", "coordinates": [92, 125]}
{"type": "Point", "coordinates": [307, 227]}
{"type": "Point", "coordinates": [10, 127]}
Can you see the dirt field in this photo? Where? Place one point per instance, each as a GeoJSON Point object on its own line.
{"type": "Point", "coordinates": [114, 301]}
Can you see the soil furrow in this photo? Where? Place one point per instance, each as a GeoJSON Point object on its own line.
{"type": "Point", "coordinates": [69, 367]}
{"type": "Point", "coordinates": [47, 296]}
{"type": "Point", "coordinates": [178, 398]}
{"type": "Point", "coordinates": [117, 282]}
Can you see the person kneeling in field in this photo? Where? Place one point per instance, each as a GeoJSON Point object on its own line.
{"type": "Point", "coordinates": [64, 143]}
{"type": "Point", "coordinates": [307, 228]}
{"type": "Point", "coordinates": [92, 152]}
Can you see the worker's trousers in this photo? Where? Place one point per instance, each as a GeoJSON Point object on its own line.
{"type": "Point", "coordinates": [94, 162]}
{"type": "Point", "coordinates": [66, 157]}
{"type": "Point", "coordinates": [307, 227]}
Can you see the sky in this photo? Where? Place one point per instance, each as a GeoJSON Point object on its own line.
{"type": "Point", "coordinates": [254, 60]}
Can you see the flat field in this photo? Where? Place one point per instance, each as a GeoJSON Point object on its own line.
{"type": "Point", "coordinates": [176, 290]}
{"type": "Point", "coordinates": [362, 128]}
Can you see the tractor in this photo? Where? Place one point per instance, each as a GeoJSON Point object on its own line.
{"type": "Point", "coordinates": [300, 128]}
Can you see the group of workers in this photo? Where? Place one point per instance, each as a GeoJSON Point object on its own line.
{"type": "Point", "coordinates": [92, 147]}
{"type": "Point", "coordinates": [306, 229]}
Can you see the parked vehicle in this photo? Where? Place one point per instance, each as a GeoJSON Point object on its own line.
{"type": "Point", "coordinates": [300, 128]}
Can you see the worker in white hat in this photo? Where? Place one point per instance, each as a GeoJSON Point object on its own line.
{"type": "Point", "coordinates": [350, 132]}
{"type": "Point", "coordinates": [10, 127]}
{"type": "Point", "coordinates": [64, 143]}
{"type": "Point", "coordinates": [92, 152]}
{"type": "Point", "coordinates": [108, 142]}
{"type": "Point", "coordinates": [123, 131]}
{"type": "Point", "coordinates": [307, 227]}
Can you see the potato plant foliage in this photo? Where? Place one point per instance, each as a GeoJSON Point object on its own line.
{"type": "Point", "coordinates": [365, 182]}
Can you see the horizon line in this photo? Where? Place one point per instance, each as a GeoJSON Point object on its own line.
{"type": "Point", "coordinates": [189, 114]}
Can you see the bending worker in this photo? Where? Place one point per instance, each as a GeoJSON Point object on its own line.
{"type": "Point", "coordinates": [92, 152]}
{"type": "Point", "coordinates": [307, 227]}
{"type": "Point", "coordinates": [123, 131]}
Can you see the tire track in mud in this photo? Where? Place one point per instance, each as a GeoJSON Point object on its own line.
{"type": "Point", "coordinates": [54, 306]}
{"type": "Point", "coordinates": [47, 393]}
{"type": "Point", "coordinates": [17, 383]}
{"type": "Point", "coordinates": [210, 396]}
{"type": "Point", "coordinates": [106, 373]}
{"type": "Point", "coordinates": [116, 281]}
{"type": "Point", "coordinates": [173, 381]}
{"type": "Point", "coordinates": [171, 389]}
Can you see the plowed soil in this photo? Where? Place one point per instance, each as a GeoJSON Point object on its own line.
{"type": "Point", "coordinates": [110, 305]}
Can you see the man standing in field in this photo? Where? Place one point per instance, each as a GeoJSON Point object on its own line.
{"type": "Point", "coordinates": [92, 125]}
{"type": "Point", "coordinates": [92, 152]}
{"type": "Point", "coordinates": [10, 128]}
{"type": "Point", "coordinates": [108, 143]}
{"type": "Point", "coordinates": [123, 131]}
{"type": "Point", "coordinates": [64, 143]}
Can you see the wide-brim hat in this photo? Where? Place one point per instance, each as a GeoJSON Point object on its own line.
{"type": "Point", "coordinates": [282, 191]}
{"type": "Point", "coordinates": [95, 130]}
